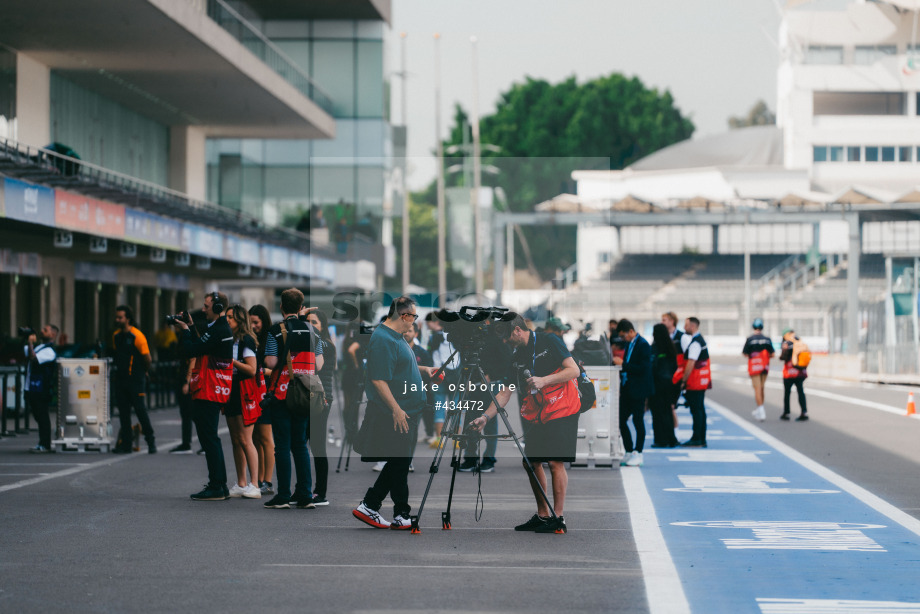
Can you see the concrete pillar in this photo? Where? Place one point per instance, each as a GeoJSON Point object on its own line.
{"type": "Point", "coordinates": [187, 163]}
{"type": "Point", "coordinates": [853, 284]}
{"type": "Point", "coordinates": [715, 239]}
{"type": "Point", "coordinates": [33, 102]}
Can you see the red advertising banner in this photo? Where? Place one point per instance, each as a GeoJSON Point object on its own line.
{"type": "Point", "coordinates": [85, 214]}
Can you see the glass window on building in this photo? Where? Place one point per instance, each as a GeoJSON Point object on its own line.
{"type": "Point", "coordinates": [334, 72]}
{"type": "Point", "coordinates": [328, 152]}
{"type": "Point", "coordinates": [870, 54]}
{"type": "Point", "coordinates": [816, 54]}
{"type": "Point", "coordinates": [820, 153]}
{"type": "Point", "coordinates": [904, 154]}
{"type": "Point", "coordinates": [835, 154]}
{"type": "Point", "coordinates": [106, 133]}
{"type": "Point", "coordinates": [859, 103]}
{"type": "Point", "coordinates": [298, 51]}
{"type": "Point", "coordinates": [871, 153]}
{"type": "Point", "coordinates": [7, 93]}
{"type": "Point", "coordinates": [853, 154]}
{"type": "Point", "coordinates": [887, 154]}
{"type": "Point", "coordinates": [331, 184]}
{"type": "Point", "coordinates": [370, 79]}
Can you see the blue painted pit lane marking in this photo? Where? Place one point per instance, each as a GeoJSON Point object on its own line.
{"type": "Point", "coordinates": [754, 526]}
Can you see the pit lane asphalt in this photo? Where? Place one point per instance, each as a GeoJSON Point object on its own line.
{"type": "Point", "coordinates": [120, 534]}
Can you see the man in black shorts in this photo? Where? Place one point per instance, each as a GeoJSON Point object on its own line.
{"type": "Point", "coordinates": [549, 410]}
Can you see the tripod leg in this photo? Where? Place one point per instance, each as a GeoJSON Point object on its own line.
{"type": "Point", "coordinates": [446, 432]}
{"type": "Point", "coordinates": [345, 444]}
{"type": "Point", "coordinates": [348, 457]}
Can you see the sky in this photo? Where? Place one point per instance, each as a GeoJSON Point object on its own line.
{"type": "Point", "coordinates": [717, 57]}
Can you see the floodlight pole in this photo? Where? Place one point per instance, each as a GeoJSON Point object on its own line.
{"type": "Point", "coordinates": [442, 206]}
{"type": "Point", "coordinates": [405, 165]}
{"type": "Point", "coordinates": [477, 175]}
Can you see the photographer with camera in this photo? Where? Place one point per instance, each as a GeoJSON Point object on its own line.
{"type": "Point", "coordinates": [209, 385]}
{"type": "Point", "coordinates": [550, 405]}
{"type": "Point", "coordinates": [297, 342]}
{"type": "Point", "coordinates": [395, 399]}
{"type": "Point", "coordinates": [496, 364]}
{"type": "Point", "coordinates": [39, 384]}
{"type": "Point", "coordinates": [131, 358]}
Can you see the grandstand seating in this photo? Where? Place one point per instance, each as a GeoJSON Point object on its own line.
{"type": "Point", "coordinates": [642, 286]}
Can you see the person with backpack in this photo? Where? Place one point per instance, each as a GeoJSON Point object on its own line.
{"type": "Point", "coordinates": [795, 356]}
{"type": "Point", "coordinates": [759, 350]}
{"type": "Point", "coordinates": [299, 345]}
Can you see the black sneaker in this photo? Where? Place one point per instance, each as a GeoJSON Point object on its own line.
{"type": "Point", "coordinates": [784, 417]}
{"type": "Point", "coordinates": [802, 418]}
{"type": "Point", "coordinates": [181, 449]}
{"type": "Point", "coordinates": [320, 501]}
{"type": "Point", "coordinates": [303, 502]}
{"type": "Point", "coordinates": [553, 526]}
{"type": "Point", "coordinates": [266, 488]}
{"type": "Point", "coordinates": [211, 493]}
{"type": "Point", "coordinates": [486, 468]}
{"type": "Point", "coordinates": [277, 503]}
{"type": "Point", "coordinates": [121, 451]}
{"type": "Point", "coordinates": [693, 444]}
{"type": "Point", "coordinates": [467, 465]}
{"type": "Point", "coordinates": [151, 448]}
{"type": "Point", "coordinates": [533, 524]}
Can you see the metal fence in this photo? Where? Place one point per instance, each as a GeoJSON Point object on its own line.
{"type": "Point", "coordinates": [13, 413]}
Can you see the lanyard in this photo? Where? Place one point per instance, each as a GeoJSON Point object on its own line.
{"type": "Point", "coordinates": [629, 351]}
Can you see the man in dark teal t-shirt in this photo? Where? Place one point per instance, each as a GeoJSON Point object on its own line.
{"type": "Point", "coordinates": [395, 399]}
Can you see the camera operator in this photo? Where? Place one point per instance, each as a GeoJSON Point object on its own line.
{"type": "Point", "coordinates": [40, 383]}
{"type": "Point", "coordinates": [209, 386]}
{"type": "Point", "coordinates": [394, 404]}
{"type": "Point", "coordinates": [131, 358]}
{"type": "Point", "coordinates": [496, 364]}
{"type": "Point", "coordinates": [549, 413]}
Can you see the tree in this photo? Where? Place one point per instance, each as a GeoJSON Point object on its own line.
{"type": "Point", "coordinates": [545, 131]}
{"type": "Point", "coordinates": [759, 115]}
{"type": "Point", "coordinates": [423, 248]}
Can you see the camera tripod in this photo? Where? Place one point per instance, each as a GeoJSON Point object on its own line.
{"type": "Point", "coordinates": [452, 432]}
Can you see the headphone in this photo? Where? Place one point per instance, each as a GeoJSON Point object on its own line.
{"type": "Point", "coordinates": [216, 306]}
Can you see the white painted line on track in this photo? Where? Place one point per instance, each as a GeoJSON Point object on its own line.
{"type": "Point", "coordinates": [87, 466]}
{"type": "Point", "coordinates": [591, 570]}
{"type": "Point", "coordinates": [663, 589]}
{"type": "Point", "coordinates": [837, 397]}
{"type": "Point", "coordinates": [874, 501]}
{"type": "Point", "coordinates": [64, 472]}
{"type": "Point", "coordinates": [39, 464]}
